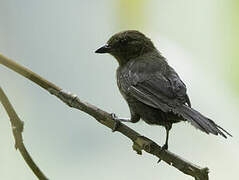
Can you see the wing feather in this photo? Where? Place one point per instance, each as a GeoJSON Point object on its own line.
{"type": "Point", "coordinates": [155, 85]}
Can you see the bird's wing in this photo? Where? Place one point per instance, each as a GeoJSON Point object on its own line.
{"type": "Point", "coordinates": [159, 86]}
{"type": "Point", "coordinates": [156, 85]}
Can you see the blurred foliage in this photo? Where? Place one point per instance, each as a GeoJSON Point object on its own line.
{"type": "Point", "coordinates": [233, 39]}
{"type": "Point", "coordinates": [132, 14]}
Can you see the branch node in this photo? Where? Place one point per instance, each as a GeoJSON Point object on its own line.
{"type": "Point", "coordinates": [67, 97]}
{"type": "Point", "coordinates": [53, 91]}
{"type": "Point", "coordinates": [17, 129]}
{"type": "Point", "coordinates": [18, 125]}
{"type": "Point", "coordinates": [143, 143]}
{"type": "Point", "coordinates": [137, 148]}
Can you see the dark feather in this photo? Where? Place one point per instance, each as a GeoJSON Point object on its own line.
{"type": "Point", "coordinates": [200, 121]}
{"type": "Point", "coordinates": [156, 84]}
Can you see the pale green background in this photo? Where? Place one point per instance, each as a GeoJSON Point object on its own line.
{"type": "Point", "coordinates": [57, 39]}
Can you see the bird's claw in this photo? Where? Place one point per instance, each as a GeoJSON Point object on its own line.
{"type": "Point", "coordinates": [164, 147]}
{"type": "Point", "coordinates": [113, 115]}
{"type": "Point", "coordinates": [117, 122]}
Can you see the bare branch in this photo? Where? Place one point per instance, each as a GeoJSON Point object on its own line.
{"type": "Point", "coordinates": [139, 142]}
{"type": "Point", "coordinates": [17, 129]}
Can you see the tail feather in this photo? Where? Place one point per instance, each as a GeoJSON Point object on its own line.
{"type": "Point", "coordinates": [224, 130]}
{"type": "Point", "coordinates": [199, 121]}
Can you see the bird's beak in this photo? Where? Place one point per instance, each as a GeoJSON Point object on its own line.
{"type": "Point", "coordinates": [104, 49]}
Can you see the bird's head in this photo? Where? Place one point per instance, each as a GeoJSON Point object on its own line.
{"type": "Point", "coordinates": [127, 45]}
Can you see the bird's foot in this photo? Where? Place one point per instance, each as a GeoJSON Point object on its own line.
{"type": "Point", "coordinates": [116, 123]}
{"type": "Point", "coordinates": [164, 147]}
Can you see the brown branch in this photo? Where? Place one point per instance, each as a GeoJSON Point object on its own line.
{"type": "Point", "coordinates": [139, 142]}
{"type": "Point", "coordinates": [17, 129]}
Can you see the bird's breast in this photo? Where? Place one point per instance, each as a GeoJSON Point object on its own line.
{"type": "Point", "coordinates": [122, 83]}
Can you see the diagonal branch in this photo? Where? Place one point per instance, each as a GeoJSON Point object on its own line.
{"type": "Point", "coordinates": [17, 129]}
{"type": "Point", "coordinates": [139, 142]}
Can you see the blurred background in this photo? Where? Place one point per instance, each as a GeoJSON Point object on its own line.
{"type": "Point", "coordinates": [57, 40]}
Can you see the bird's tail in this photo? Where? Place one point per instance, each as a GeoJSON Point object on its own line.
{"type": "Point", "coordinates": [199, 121]}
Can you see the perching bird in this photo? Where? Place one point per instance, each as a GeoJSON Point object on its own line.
{"type": "Point", "coordinates": [153, 90]}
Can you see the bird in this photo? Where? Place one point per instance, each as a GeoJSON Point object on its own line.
{"type": "Point", "coordinates": [152, 89]}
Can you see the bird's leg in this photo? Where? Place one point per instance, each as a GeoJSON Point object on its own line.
{"type": "Point", "coordinates": [116, 118]}
{"type": "Point", "coordinates": [134, 118]}
{"type": "Point", "coordinates": [165, 146]}
{"type": "Point", "coordinates": [118, 121]}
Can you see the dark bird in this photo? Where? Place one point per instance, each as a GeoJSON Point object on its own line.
{"type": "Point", "coordinates": [153, 90]}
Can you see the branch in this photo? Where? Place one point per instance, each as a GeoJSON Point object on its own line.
{"type": "Point", "coordinates": [17, 129]}
{"type": "Point", "coordinates": [139, 142]}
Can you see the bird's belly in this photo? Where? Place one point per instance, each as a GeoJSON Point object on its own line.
{"type": "Point", "coordinates": [152, 115]}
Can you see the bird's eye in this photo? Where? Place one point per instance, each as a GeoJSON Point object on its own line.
{"type": "Point", "coordinates": [123, 41]}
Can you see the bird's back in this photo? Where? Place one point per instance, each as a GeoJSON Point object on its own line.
{"type": "Point", "coordinates": [145, 70]}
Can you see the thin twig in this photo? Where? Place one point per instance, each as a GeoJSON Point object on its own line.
{"type": "Point", "coordinates": [17, 129]}
{"type": "Point", "coordinates": [139, 142]}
